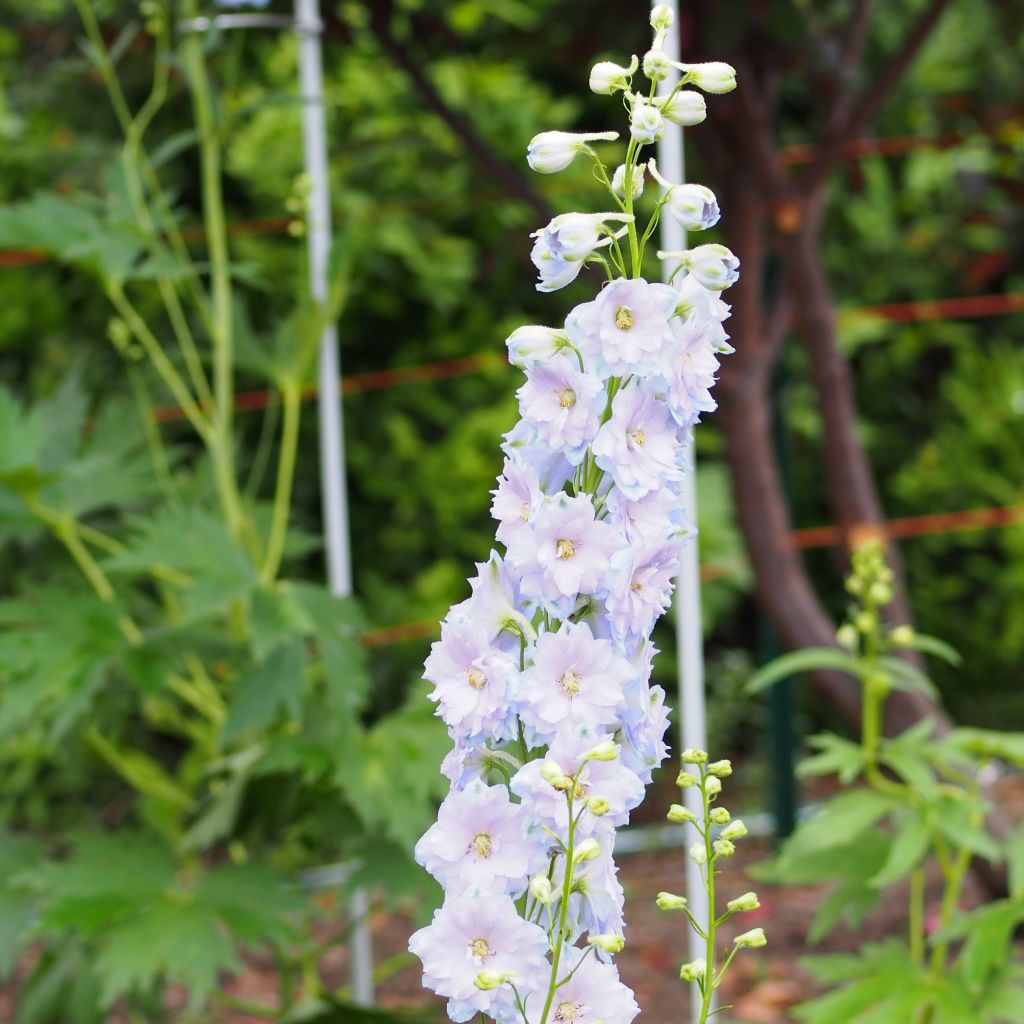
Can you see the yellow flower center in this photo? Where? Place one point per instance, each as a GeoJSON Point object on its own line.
{"type": "Point", "coordinates": [566, 398]}
{"type": "Point", "coordinates": [579, 789]}
{"type": "Point", "coordinates": [481, 844]}
{"type": "Point", "coordinates": [624, 319]}
{"type": "Point", "coordinates": [636, 586]}
{"type": "Point", "coordinates": [568, 1012]}
{"type": "Point", "coordinates": [570, 683]}
{"type": "Point", "coordinates": [565, 549]}
{"type": "Point", "coordinates": [524, 512]}
{"type": "Point", "coordinates": [637, 437]}
{"type": "Point", "coordinates": [481, 949]}
{"type": "Point", "coordinates": [476, 678]}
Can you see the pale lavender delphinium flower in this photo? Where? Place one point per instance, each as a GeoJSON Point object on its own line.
{"type": "Point", "coordinates": [543, 674]}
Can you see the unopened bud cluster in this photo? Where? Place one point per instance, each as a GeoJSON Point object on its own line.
{"type": "Point", "coordinates": [717, 835]}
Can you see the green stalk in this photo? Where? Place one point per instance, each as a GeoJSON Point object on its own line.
{"type": "Point", "coordinates": [563, 909]}
{"type": "Point", "coordinates": [291, 404]}
{"type": "Point", "coordinates": [916, 915]}
{"type": "Point", "coordinates": [707, 986]}
{"type": "Point", "coordinates": [133, 158]}
{"type": "Point", "coordinates": [215, 224]}
{"type": "Point", "coordinates": [627, 186]}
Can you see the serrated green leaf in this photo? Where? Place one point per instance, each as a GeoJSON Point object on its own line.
{"type": "Point", "coordinates": [183, 942]}
{"type": "Point", "coordinates": [841, 820]}
{"type": "Point", "coordinates": [906, 676]}
{"type": "Point", "coordinates": [1015, 861]}
{"type": "Point", "coordinates": [806, 660]}
{"type": "Point", "coordinates": [836, 756]}
{"type": "Point", "coordinates": [272, 687]}
{"type": "Point", "coordinates": [933, 645]}
{"type": "Point", "coordinates": [255, 902]}
{"type": "Point", "coordinates": [912, 767]}
{"type": "Point", "coordinates": [988, 944]}
{"type": "Point", "coordinates": [987, 744]}
{"type": "Point", "coordinates": [909, 848]}
{"type": "Point", "coordinates": [962, 823]}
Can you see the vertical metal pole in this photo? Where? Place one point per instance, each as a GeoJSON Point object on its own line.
{"type": "Point", "coordinates": [689, 636]}
{"type": "Point", "coordinates": [332, 437]}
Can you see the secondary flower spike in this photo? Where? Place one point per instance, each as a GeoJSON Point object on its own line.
{"type": "Point", "coordinates": [542, 675]}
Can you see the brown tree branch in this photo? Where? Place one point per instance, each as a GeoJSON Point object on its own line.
{"type": "Point", "coordinates": [861, 115]}
{"type": "Point", "coordinates": [489, 161]}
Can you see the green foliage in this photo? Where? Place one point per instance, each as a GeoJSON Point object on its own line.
{"type": "Point", "coordinates": [920, 800]}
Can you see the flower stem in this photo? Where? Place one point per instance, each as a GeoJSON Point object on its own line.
{"type": "Point", "coordinates": [291, 403]}
{"type": "Point", "coordinates": [563, 910]}
{"type": "Point", "coordinates": [707, 985]}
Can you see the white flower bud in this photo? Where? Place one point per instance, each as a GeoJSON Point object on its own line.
{"type": "Point", "coordinates": [646, 123]}
{"type": "Point", "coordinates": [619, 181]}
{"type": "Point", "coordinates": [678, 814]}
{"type": "Point", "coordinates": [549, 152]}
{"type": "Point", "coordinates": [656, 65]}
{"type": "Point", "coordinates": [685, 108]}
{"type": "Point", "coordinates": [670, 901]}
{"type": "Point", "coordinates": [713, 266]}
{"type": "Point", "coordinates": [723, 768]}
{"type": "Point", "coordinates": [737, 830]}
{"type": "Point", "coordinates": [662, 17]}
{"type": "Point", "coordinates": [694, 206]}
{"type": "Point", "coordinates": [698, 853]}
{"type": "Point", "coordinates": [712, 785]}
{"type": "Point", "coordinates": [540, 889]}
{"type": "Point", "coordinates": [720, 816]}
{"type": "Point", "coordinates": [691, 755]}
{"type": "Point", "coordinates": [587, 850]}
{"type": "Point", "coordinates": [713, 77]}
{"type": "Point", "coordinates": [488, 980]}
{"type": "Point", "coordinates": [607, 77]}
{"type": "Point", "coordinates": [723, 847]}
{"type": "Point", "coordinates": [684, 780]}
{"type": "Point", "coordinates": [531, 344]}
{"type": "Point", "coordinates": [608, 943]}
{"type": "Point", "coordinates": [748, 901]}
{"type": "Point", "coordinates": [754, 939]}
{"type": "Point", "coordinates": [606, 750]}
{"type": "Point", "coordinates": [598, 806]}
{"type": "Point", "coordinates": [693, 971]}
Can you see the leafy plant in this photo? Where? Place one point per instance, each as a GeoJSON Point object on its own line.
{"type": "Point", "coordinates": [921, 802]}
{"type": "Point", "coordinates": [183, 727]}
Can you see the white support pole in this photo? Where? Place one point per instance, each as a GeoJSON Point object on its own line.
{"type": "Point", "coordinates": [332, 437]}
{"type": "Point", "coordinates": [689, 636]}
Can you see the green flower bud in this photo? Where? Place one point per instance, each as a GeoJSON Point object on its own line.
{"type": "Point", "coordinates": [720, 816]}
{"type": "Point", "coordinates": [754, 939]}
{"type": "Point", "coordinates": [723, 847]}
{"type": "Point", "coordinates": [865, 622]}
{"type": "Point", "coordinates": [597, 805]}
{"type": "Point", "coordinates": [903, 636]}
{"type": "Point", "coordinates": [489, 980]}
{"type": "Point", "coordinates": [847, 637]}
{"type": "Point", "coordinates": [880, 593]}
{"type": "Point", "coordinates": [604, 751]}
{"type": "Point", "coordinates": [684, 780]}
{"type": "Point", "coordinates": [693, 971]}
{"type": "Point", "coordinates": [691, 755]}
{"type": "Point", "coordinates": [608, 943]}
{"type": "Point", "coordinates": [678, 814]}
{"type": "Point", "coordinates": [748, 901]}
{"type": "Point", "coordinates": [698, 854]}
{"type": "Point", "coordinates": [712, 785]}
{"type": "Point", "coordinates": [669, 901]}
{"type": "Point", "coordinates": [587, 850]}
{"type": "Point", "coordinates": [551, 771]}
{"type": "Point", "coordinates": [737, 830]}
{"type": "Point", "coordinates": [723, 769]}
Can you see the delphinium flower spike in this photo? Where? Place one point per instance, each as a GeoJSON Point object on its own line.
{"type": "Point", "coordinates": [542, 675]}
